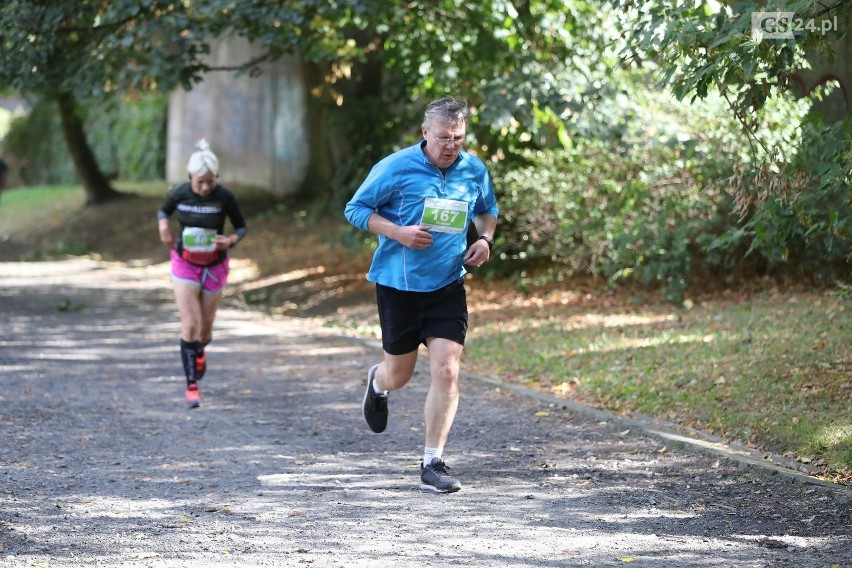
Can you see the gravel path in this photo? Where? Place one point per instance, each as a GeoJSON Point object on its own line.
{"type": "Point", "coordinates": [100, 464]}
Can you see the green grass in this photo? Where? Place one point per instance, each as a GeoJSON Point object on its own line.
{"type": "Point", "coordinates": [774, 371]}
{"type": "Point", "coordinates": [48, 210]}
{"type": "Point", "coordinates": [38, 207]}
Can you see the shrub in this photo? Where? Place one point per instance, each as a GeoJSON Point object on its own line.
{"type": "Point", "coordinates": [621, 216]}
{"type": "Point", "coordinates": [128, 138]}
{"type": "Point", "coordinates": [685, 192]}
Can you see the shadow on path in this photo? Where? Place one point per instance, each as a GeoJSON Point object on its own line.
{"type": "Point", "coordinates": [100, 464]}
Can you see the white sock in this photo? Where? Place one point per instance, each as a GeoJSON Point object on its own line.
{"type": "Point", "coordinates": [376, 388]}
{"type": "Point", "coordinates": [431, 453]}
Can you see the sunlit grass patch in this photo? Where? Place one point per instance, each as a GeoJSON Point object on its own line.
{"type": "Point", "coordinates": [772, 372]}
{"type": "Point", "coordinates": [50, 221]}
{"type": "Point", "coordinates": [37, 208]}
{"type": "Point", "coordinates": [836, 436]}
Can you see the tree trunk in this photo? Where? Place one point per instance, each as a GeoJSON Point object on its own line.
{"type": "Point", "coordinates": [97, 187]}
{"type": "Point", "coordinates": [332, 156]}
{"type": "Point", "coordinates": [327, 145]}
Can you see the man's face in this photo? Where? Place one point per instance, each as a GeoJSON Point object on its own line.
{"type": "Point", "coordinates": [444, 142]}
{"type": "Point", "coordinates": [203, 185]}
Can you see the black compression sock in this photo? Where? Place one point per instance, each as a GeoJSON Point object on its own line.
{"type": "Point", "coordinates": [188, 352]}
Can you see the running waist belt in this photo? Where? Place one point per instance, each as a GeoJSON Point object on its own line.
{"type": "Point", "coordinates": [202, 258]}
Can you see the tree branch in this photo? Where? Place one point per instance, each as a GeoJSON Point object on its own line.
{"type": "Point", "coordinates": [828, 8]}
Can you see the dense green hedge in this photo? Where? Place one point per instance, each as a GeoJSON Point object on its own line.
{"type": "Point", "coordinates": [670, 217]}
{"type": "Point", "coordinates": [623, 217]}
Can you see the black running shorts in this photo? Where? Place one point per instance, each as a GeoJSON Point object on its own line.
{"type": "Point", "coordinates": [409, 318]}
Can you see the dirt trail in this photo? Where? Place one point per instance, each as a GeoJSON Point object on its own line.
{"type": "Point", "coordinates": [100, 464]}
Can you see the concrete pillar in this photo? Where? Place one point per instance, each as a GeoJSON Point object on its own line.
{"type": "Point", "coordinates": [255, 125]}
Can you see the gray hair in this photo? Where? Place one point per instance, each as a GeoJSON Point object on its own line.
{"type": "Point", "coordinates": [447, 110]}
{"type": "Point", "coordinates": [203, 160]}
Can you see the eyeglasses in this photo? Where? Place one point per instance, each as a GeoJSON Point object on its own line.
{"type": "Point", "coordinates": [447, 141]}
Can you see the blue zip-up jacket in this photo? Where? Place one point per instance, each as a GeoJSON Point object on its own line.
{"type": "Point", "coordinates": [395, 189]}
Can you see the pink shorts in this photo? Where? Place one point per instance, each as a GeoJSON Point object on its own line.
{"type": "Point", "coordinates": [211, 279]}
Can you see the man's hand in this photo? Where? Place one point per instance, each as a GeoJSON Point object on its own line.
{"type": "Point", "coordinates": [477, 253]}
{"type": "Point", "coordinates": [413, 236]}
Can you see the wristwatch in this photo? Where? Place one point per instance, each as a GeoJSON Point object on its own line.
{"type": "Point", "coordinates": [488, 240]}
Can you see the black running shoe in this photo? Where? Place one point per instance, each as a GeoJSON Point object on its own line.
{"type": "Point", "coordinates": [375, 406]}
{"type": "Point", "coordinates": [434, 477]}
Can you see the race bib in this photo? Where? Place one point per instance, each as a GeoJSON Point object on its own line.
{"type": "Point", "coordinates": [444, 215]}
{"type": "Point", "coordinates": [196, 239]}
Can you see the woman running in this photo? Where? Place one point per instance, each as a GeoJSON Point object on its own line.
{"type": "Point", "coordinates": [199, 256]}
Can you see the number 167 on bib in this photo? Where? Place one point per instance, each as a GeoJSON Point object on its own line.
{"type": "Point", "coordinates": [444, 215]}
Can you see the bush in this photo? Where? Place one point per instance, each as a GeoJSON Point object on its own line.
{"type": "Point", "coordinates": [35, 144]}
{"type": "Point", "coordinates": [685, 192]}
{"type": "Point", "coordinates": [620, 216]}
{"type": "Point", "coordinates": [128, 138]}
{"type": "Point", "coordinates": [794, 203]}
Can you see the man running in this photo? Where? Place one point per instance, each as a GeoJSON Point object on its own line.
{"type": "Point", "coordinates": [420, 202]}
